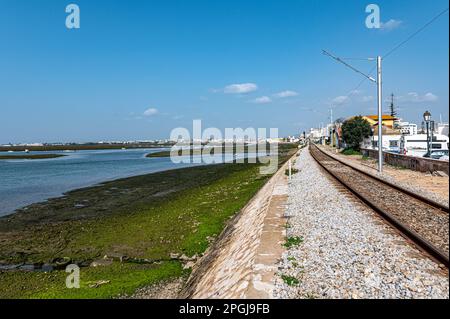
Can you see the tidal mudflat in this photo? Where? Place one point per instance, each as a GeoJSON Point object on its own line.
{"type": "Point", "coordinates": [30, 157]}
{"type": "Point", "coordinates": [140, 230]}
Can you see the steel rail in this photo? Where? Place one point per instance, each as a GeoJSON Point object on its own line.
{"type": "Point", "coordinates": [422, 198]}
{"type": "Point", "coordinates": [421, 242]}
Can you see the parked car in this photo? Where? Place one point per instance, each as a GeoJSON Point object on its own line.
{"type": "Point", "coordinates": [441, 154]}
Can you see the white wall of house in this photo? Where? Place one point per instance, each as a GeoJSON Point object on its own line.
{"type": "Point", "coordinates": [417, 145]}
{"type": "Point", "coordinates": [391, 143]}
{"type": "Point", "coordinates": [407, 128]}
{"type": "Point", "coordinates": [443, 129]}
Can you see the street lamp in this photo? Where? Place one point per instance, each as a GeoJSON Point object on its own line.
{"type": "Point", "coordinates": [427, 119]}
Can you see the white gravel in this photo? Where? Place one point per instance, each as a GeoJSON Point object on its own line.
{"type": "Point", "coordinates": [347, 251]}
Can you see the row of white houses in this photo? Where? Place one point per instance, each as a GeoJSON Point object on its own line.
{"type": "Point", "coordinates": [398, 136]}
{"type": "Point", "coordinates": [413, 145]}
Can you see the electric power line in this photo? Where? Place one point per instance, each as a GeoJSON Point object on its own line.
{"type": "Point", "coordinates": [348, 65]}
{"type": "Point", "coordinates": [356, 59]}
{"type": "Point", "coordinates": [398, 46]}
{"type": "Point", "coordinates": [363, 80]}
{"type": "Point", "coordinates": [368, 76]}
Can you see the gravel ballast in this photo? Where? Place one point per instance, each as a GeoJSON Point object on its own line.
{"type": "Point", "coordinates": [410, 184]}
{"type": "Point", "coordinates": [341, 249]}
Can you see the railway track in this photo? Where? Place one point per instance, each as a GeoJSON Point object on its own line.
{"type": "Point", "coordinates": [422, 221]}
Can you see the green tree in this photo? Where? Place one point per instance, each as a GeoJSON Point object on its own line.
{"type": "Point", "coordinates": [354, 131]}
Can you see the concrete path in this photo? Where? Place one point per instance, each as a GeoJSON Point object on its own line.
{"type": "Point", "coordinates": [242, 264]}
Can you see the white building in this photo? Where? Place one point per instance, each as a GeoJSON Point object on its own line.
{"type": "Point", "coordinates": [292, 139]}
{"type": "Point", "coordinates": [391, 143]}
{"type": "Point", "coordinates": [319, 134]}
{"type": "Point", "coordinates": [442, 129]}
{"type": "Point", "coordinates": [417, 145]}
{"type": "Point", "coordinates": [407, 128]}
{"type": "Point", "coordinates": [315, 133]}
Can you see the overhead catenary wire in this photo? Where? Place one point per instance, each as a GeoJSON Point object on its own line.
{"type": "Point", "coordinates": [398, 46]}
{"type": "Point", "coordinates": [348, 65]}
{"type": "Point", "coordinates": [390, 52]}
{"type": "Point", "coordinates": [362, 82]}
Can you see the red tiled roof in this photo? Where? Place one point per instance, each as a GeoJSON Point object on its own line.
{"type": "Point", "coordinates": [384, 117]}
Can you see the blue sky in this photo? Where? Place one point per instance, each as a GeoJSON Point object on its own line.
{"type": "Point", "coordinates": [138, 69]}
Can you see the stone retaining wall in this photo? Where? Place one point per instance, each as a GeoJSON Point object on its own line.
{"type": "Point", "coordinates": [414, 163]}
{"type": "Point", "coordinates": [241, 263]}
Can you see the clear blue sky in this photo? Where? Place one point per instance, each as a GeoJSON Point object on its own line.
{"type": "Point", "coordinates": [175, 59]}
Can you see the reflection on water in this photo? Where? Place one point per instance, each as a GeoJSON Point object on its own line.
{"type": "Point", "coordinates": [23, 182]}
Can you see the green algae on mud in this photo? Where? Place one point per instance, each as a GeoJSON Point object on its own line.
{"type": "Point", "coordinates": [150, 217]}
{"type": "Point", "coordinates": [120, 280]}
{"type": "Point", "coordinates": [197, 151]}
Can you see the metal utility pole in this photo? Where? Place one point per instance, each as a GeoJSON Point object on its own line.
{"type": "Point", "coordinates": [393, 112]}
{"type": "Point", "coordinates": [432, 127]}
{"type": "Point", "coordinates": [380, 116]}
{"type": "Point", "coordinates": [378, 81]}
{"type": "Point", "coordinates": [330, 132]}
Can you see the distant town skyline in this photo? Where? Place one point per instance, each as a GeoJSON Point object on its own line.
{"type": "Point", "coordinates": [135, 71]}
